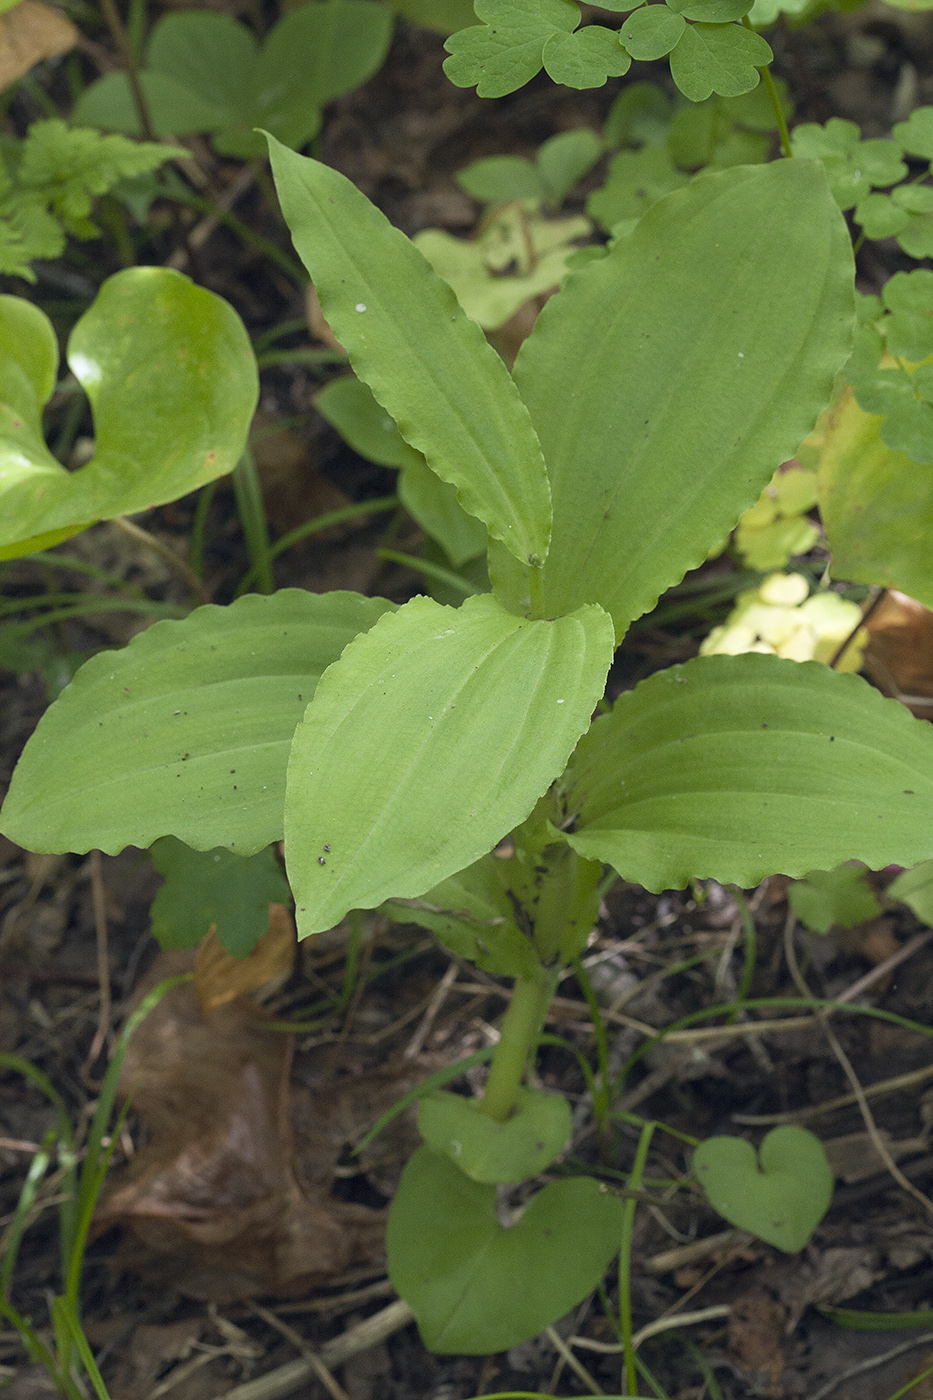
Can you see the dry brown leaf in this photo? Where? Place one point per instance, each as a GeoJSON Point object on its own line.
{"type": "Point", "coordinates": [210, 1204]}
{"type": "Point", "coordinates": [756, 1338]}
{"type": "Point", "coordinates": [899, 657]}
{"type": "Point", "coordinates": [29, 32]}
{"type": "Point", "coordinates": [219, 977]}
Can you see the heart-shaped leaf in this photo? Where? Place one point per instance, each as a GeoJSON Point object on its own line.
{"type": "Point", "coordinates": [475, 1287]}
{"type": "Point", "coordinates": [492, 1152]}
{"type": "Point", "coordinates": [781, 1201]}
{"type": "Point", "coordinates": [172, 381]}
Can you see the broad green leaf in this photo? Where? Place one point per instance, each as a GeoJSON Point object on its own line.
{"type": "Point", "coordinates": [915, 135]}
{"type": "Point", "coordinates": [710, 11]}
{"type": "Point", "coordinates": [172, 381]}
{"type": "Point", "coordinates": [475, 1288]}
{"type": "Point", "coordinates": [876, 505]}
{"type": "Point", "coordinates": [205, 888]}
{"type": "Point", "coordinates": [524, 1145]}
{"type": "Point", "coordinates": [433, 503]}
{"type": "Point", "coordinates": [783, 1199]}
{"type": "Point", "coordinates": [429, 366]}
{"type": "Point", "coordinates": [738, 767]}
{"type": "Point", "coordinates": [723, 319]}
{"type": "Point", "coordinates": [506, 51]}
{"type": "Point", "coordinates": [429, 740]}
{"type": "Point", "coordinates": [840, 896]}
{"type": "Point", "coordinates": [651, 32]}
{"type": "Point", "coordinates": [174, 109]}
{"type": "Point", "coordinates": [472, 915]}
{"type": "Point", "coordinates": [585, 59]}
{"type": "Point", "coordinates": [185, 732]}
{"type": "Point", "coordinates": [722, 58]}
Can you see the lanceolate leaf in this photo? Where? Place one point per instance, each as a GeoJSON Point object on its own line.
{"type": "Point", "coordinates": [428, 365]}
{"type": "Point", "coordinates": [185, 732]}
{"type": "Point", "coordinates": [427, 742]}
{"type": "Point", "coordinates": [876, 505]}
{"type": "Point", "coordinates": [738, 767]}
{"type": "Point", "coordinates": [721, 322]}
{"type": "Point", "coordinates": [172, 382]}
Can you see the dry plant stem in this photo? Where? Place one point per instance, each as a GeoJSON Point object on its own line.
{"type": "Point", "coordinates": [99, 902]}
{"type": "Point", "coordinates": [438, 997]}
{"type": "Point", "coordinates": [333, 1387]}
{"type": "Point", "coordinates": [868, 1119]}
{"type": "Point", "coordinates": [567, 1356]}
{"type": "Point", "coordinates": [206, 226]}
{"type": "Point", "coordinates": [872, 1364]}
{"type": "Point", "coordinates": [684, 1254]}
{"type": "Point", "coordinates": [883, 968]}
{"type": "Point", "coordinates": [871, 1091]}
{"type": "Point", "coordinates": [653, 1329]}
{"type": "Point", "coordinates": [164, 551]}
{"type": "Point", "coordinates": [872, 602]}
{"type": "Point", "coordinates": [294, 1374]}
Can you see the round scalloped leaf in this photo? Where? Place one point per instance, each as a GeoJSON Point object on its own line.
{"type": "Point", "coordinates": [652, 31]}
{"type": "Point", "coordinates": [722, 58]}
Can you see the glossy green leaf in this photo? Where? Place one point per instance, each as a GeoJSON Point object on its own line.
{"type": "Point", "coordinates": [476, 1288]}
{"type": "Point", "coordinates": [738, 767]}
{"type": "Point", "coordinates": [428, 365]}
{"type": "Point", "coordinates": [876, 505]}
{"type": "Point", "coordinates": [523, 1146]}
{"type": "Point", "coordinates": [783, 1199]}
{"type": "Point", "coordinates": [185, 732]}
{"type": "Point", "coordinates": [722, 320]}
{"type": "Point", "coordinates": [172, 381]}
{"type": "Point", "coordinates": [205, 888]}
{"type": "Point", "coordinates": [506, 51]}
{"type": "Point", "coordinates": [585, 59]}
{"type": "Point", "coordinates": [722, 58]}
{"type": "Point", "coordinates": [433, 701]}
{"type": "Point", "coordinates": [651, 32]}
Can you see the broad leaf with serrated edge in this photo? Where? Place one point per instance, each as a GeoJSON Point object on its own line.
{"type": "Point", "coordinates": [722, 321]}
{"type": "Point", "coordinates": [429, 366]}
{"type": "Point", "coordinates": [738, 767]}
{"type": "Point", "coordinates": [172, 382]}
{"type": "Point", "coordinates": [185, 732]}
{"type": "Point", "coordinates": [434, 701]}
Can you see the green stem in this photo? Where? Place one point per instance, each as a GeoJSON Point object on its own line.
{"type": "Point", "coordinates": [625, 1260]}
{"type": "Point", "coordinates": [252, 512]}
{"type": "Point", "coordinates": [520, 1030]}
{"type": "Point", "coordinates": [537, 591]}
{"type": "Point", "coordinates": [771, 90]}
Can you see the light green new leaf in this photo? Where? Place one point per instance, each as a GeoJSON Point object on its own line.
{"type": "Point", "coordinates": [429, 366]}
{"type": "Point", "coordinates": [738, 767]}
{"type": "Point", "coordinates": [475, 1288]}
{"type": "Point", "coordinates": [172, 381]}
{"type": "Point", "coordinates": [185, 732]}
{"type": "Point", "coordinates": [429, 740]}
{"type": "Point", "coordinates": [722, 320]}
{"type": "Point", "coordinates": [722, 58]}
{"type": "Point", "coordinates": [876, 505]}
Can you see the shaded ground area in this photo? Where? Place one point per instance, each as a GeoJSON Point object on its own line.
{"type": "Point", "coordinates": [241, 1230]}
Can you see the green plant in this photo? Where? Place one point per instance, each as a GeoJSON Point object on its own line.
{"type": "Point", "coordinates": [49, 180]}
{"type": "Point", "coordinates": [606, 467]}
{"type": "Point", "coordinates": [781, 1202]}
{"type": "Point", "coordinates": [205, 72]}
{"type": "Point", "coordinates": [82, 1175]}
{"type": "Point", "coordinates": [171, 378]}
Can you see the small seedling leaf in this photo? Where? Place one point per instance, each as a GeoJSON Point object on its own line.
{"type": "Point", "coordinates": [492, 701]}
{"type": "Point", "coordinates": [736, 767]}
{"type": "Point", "coordinates": [827, 897]}
{"type": "Point", "coordinates": [782, 1199]}
{"type": "Point", "coordinates": [652, 31]}
{"type": "Point", "coordinates": [516, 1150]}
{"type": "Point", "coordinates": [185, 732]}
{"type": "Point", "coordinates": [476, 1288]}
{"type": "Point", "coordinates": [202, 888]}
